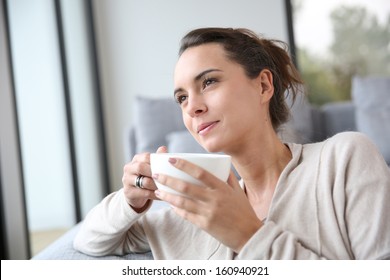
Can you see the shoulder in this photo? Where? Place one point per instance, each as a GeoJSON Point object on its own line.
{"type": "Point", "coordinates": [352, 148]}
{"type": "Point", "coordinates": [339, 143]}
{"type": "Point", "coordinates": [344, 147]}
{"type": "Point", "coordinates": [349, 137]}
{"type": "Point", "coordinates": [350, 143]}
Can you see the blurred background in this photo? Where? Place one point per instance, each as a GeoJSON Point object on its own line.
{"type": "Point", "coordinates": [337, 40]}
{"type": "Point", "coordinates": [70, 70]}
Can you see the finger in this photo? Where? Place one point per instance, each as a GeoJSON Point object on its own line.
{"type": "Point", "coordinates": [162, 149]}
{"type": "Point", "coordinates": [131, 174]}
{"type": "Point", "coordinates": [137, 197]}
{"type": "Point", "coordinates": [143, 157]}
{"type": "Point", "coordinates": [137, 193]}
{"type": "Point", "coordinates": [146, 183]}
{"type": "Point", "coordinates": [178, 201]}
{"type": "Point", "coordinates": [197, 172]}
{"type": "Point", "coordinates": [187, 189]}
{"type": "Point", "coordinates": [185, 214]}
{"type": "Point", "coordinates": [138, 168]}
{"type": "Point", "coordinates": [192, 210]}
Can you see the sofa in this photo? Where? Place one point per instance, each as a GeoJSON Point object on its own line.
{"type": "Point", "coordinates": [158, 122]}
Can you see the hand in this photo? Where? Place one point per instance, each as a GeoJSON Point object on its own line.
{"type": "Point", "coordinates": [136, 197]}
{"type": "Point", "coordinates": [221, 209]}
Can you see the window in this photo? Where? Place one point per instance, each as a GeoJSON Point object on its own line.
{"type": "Point", "coordinates": [61, 172]}
{"type": "Point", "coordinates": [338, 39]}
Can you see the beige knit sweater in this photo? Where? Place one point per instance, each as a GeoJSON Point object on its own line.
{"type": "Point", "coordinates": [332, 201]}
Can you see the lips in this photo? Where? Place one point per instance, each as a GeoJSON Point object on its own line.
{"type": "Point", "coordinates": [205, 127]}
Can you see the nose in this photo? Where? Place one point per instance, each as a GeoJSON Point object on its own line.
{"type": "Point", "coordinates": [196, 105]}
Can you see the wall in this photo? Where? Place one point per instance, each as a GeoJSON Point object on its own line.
{"type": "Point", "coordinates": [138, 43]}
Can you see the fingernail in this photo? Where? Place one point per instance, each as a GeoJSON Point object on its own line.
{"type": "Point", "coordinates": [172, 160]}
{"type": "Point", "coordinates": [155, 176]}
{"type": "Point", "coordinates": [157, 193]}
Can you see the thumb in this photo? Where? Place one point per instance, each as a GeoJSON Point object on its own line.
{"type": "Point", "coordinates": [162, 149]}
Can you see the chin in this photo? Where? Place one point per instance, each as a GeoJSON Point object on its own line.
{"type": "Point", "coordinates": [212, 147]}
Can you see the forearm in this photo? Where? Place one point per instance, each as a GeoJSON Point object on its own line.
{"type": "Point", "coordinates": [111, 227]}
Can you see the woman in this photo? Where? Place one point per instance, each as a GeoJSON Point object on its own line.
{"type": "Point", "coordinates": [328, 200]}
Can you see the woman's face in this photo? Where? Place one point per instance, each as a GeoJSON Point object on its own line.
{"type": "Point", "coordinates": [221, 106]}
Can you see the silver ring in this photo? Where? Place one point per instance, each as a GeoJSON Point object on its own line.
{"type": "Point", "coordinates": [138, 182]}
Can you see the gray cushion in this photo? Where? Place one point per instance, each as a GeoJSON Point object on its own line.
{"type": "Point", "coordinates": [183, 142]}
{"type": "Point", "coordinates": [62, 249]}
{"type": "Point", "coordinates": [299, 128]}
{"type": "Point", "coordinates": [153, 120]}
{"type": "Point", "coordinates": [338, 117]}
{"type": "Point", "coordinates": [371, 96]}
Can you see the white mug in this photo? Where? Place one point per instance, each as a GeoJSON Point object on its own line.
{"type": "Point", "coordinates": [217, 164]}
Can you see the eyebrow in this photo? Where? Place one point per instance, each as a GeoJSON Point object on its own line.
{"type": "Point", "coordinates": [198, 77]}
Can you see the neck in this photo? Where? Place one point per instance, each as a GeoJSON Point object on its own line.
{"type": "Point", "coordinates": [261, 165]}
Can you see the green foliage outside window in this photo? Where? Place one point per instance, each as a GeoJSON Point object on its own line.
{"type": "Point", "coordinates": [361, 46]}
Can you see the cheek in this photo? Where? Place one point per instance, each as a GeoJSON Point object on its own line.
{"type": "Point", "coordinates": [187, 122]}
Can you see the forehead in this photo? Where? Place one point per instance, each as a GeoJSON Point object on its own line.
{"type": "Point", "coordinates": [197, 59]}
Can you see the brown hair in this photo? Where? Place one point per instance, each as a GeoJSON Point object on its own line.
{"type": "Point", "coordinates": [254, 54]}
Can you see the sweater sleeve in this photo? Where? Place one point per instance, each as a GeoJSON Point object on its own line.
{"type": "Point", "coordinates": [367, 199]}
{"type": "Point", "coordinates": [111, 228]}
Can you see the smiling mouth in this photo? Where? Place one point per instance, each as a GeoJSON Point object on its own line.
{"type": "Point", "coordinates": [206, 127]}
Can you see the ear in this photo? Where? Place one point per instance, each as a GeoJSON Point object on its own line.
{"type": "Point", "coordinates": [266, 86]}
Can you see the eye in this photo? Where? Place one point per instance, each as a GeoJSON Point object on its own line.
{"type": "Point", "coordinates": [207, 82]}
{"type": "Point", "coordinates": [180, 98]}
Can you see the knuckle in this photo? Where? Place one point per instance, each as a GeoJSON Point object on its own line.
{"type": "Point", "coordinates": [183, 186]}
{"type": "Point", "coordinates": [162, 179]}
{"type": "Point", "coordinates": [185, 215]}
{"type": "Point", "coordinates": [136, 168]}
{"type": "Point", "coordinates": [141, 157]}
{"type": "Point", "coordinates": [126, 167]}
{"type": "Point", "coordinates": [180, 202]}
{"type": "Point", "coordinates": [180, 163]}
{"type": "Point", "coordinates": [146, 182]}
{"type": "Point", "coordinates": [125, 179]}
{"type": "Point", "coordinates": [135, 165]}
{"type": "Point", "coordinates": [200, 173]}
{"type": "Point", "coordinates": [136, 157]}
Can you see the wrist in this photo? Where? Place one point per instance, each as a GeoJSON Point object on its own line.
{"type": "Point", "coordinates": [249, 234]}
{"type": "Point", "coordinates": [141, 209]}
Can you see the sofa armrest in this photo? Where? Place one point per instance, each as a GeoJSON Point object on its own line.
{"type": "Point", "coordinates": [62, 249]}
{"type": "Point", "coordinates": [338, 117]}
